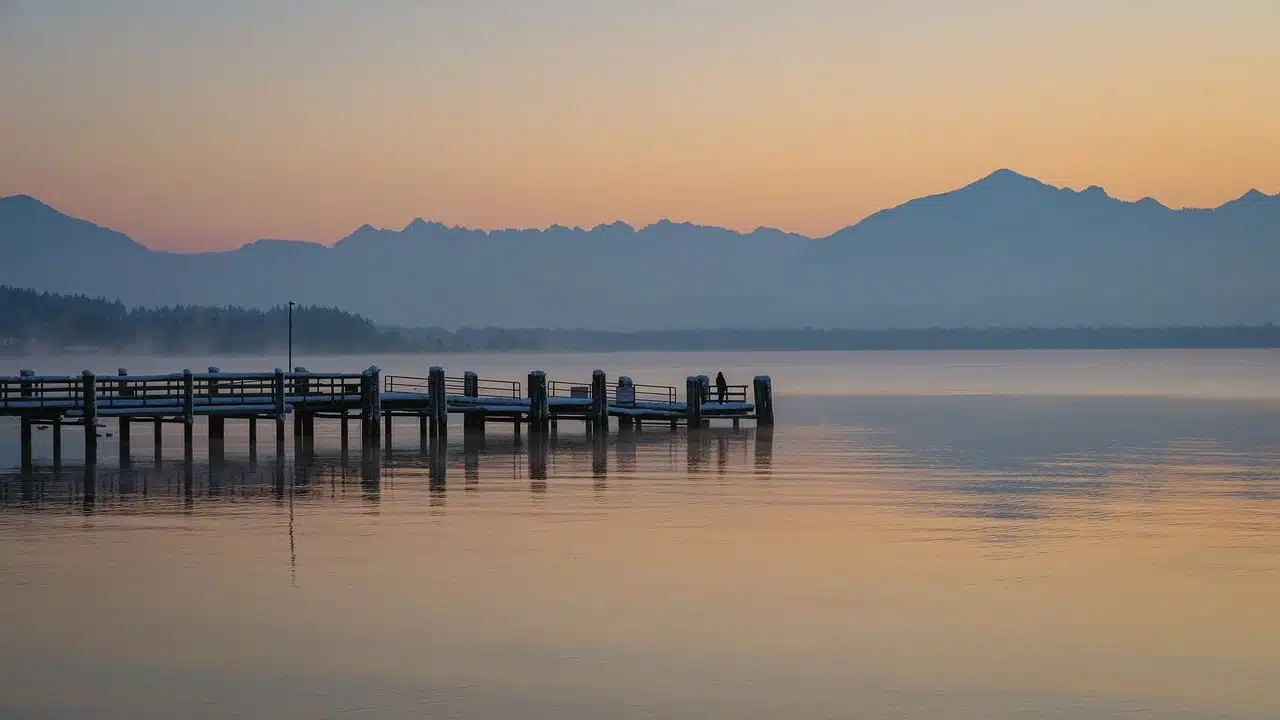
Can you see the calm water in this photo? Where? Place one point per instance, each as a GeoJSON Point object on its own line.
{"type": "Point", "coordinates": [949, 535]}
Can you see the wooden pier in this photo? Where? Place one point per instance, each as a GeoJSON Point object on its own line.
{"type": "Point", "coordinates": [89, 401]}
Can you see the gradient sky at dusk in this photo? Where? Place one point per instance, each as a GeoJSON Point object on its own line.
{"type": "Point", "coordinates": [203, 125]}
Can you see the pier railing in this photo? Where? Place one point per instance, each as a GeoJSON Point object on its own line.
{"type": "Point", "coordinates": [573, 390]}
{"type": "Point", "coordinates": [29, 391]}
{"type": "Point", "coordinates": [733, 394]}
{"type": "Point", "coordinates": [312, 386]}
{"type": "Point", "coordinates": [642, 394]}
{"type": "Point", "coordinates": [455, 386]}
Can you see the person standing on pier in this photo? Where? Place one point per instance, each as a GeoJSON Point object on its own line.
{"type": "Point", "coordinates": [722, 386]}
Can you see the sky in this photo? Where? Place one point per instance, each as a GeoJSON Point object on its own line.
{"type": "Point", "coordinates": [205, 125]}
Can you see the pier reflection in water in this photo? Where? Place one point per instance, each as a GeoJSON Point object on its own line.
{"type": "Point", "coordinates": [244, 474]}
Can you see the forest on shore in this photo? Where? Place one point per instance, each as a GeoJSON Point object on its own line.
{"type": "Point", "coordinates": [33, 322]}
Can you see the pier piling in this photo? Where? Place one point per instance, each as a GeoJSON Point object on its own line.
{"type": "Point", "coordinates": [471, 422]}
{"type": "Point", "coordinates": [217, 424]}
{"type": "Point", "coordinates": [693, 401]}
{"type": "Point", "coordinates": [188, 409]}
{"type": "Point", "coordinates": [124, 432]}
{"type": "Point", "coordinates": [599, 402]}
{"type": "Point", "coordinates": [763, 387]}
{"type": "Point", "coordinates": [278, 403]}
{"type": "Point", "coordinates": [539, 411]}
{"type": "Point", "coordinates": [27, 464]}
{"type": "Point", "coordinates": [89, 388]}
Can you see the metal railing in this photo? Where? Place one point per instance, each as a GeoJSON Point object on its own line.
{"type": "Point", "coordinates": [454, 386]}
{"type": "Point", "coordinates": [732, 394]}
{"type": "Point", "coordinates": [405, 384]}
{"type": "Point", "coordinates": [314, 387]}
{"type": "Point", "coordinates": [574, 390]}
{"type": "Point", "coordinates": [655, 394]}
{"type": "Point", "coordinates": [32, 391]}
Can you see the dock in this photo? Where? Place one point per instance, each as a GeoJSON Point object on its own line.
{"type": "Point", "coordinates": [89, 401]}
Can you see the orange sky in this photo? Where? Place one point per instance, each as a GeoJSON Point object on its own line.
{"type": "Point", "coordinates": [193, 127]}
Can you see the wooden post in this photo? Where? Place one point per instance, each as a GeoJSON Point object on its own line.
{"type": "Point", "coordinates": [764, 400]}
{"type": "Point", "coordinates": [346, 432]}
{"type": "Point", "coordinates": [217, 426]}
{"type": "Point", "coordinates": [57, 440]}
{"type": "Point", "coordinates": [375, 403]}
{"type": "Point", "coordinates": [366, 404]}
{"type": "Point", "coordinates": [188, 409]}
{"type": "Point", "coordinates": [471, 421]}
{"type": "Point", "coordinates": [440, 405]}
{"type": "Point", "coordinates": [122, 391]}
{"type": "Point", "coordinates": [278, 400]}
{"type": "Point", "coordinates": [626, 398]}
{"type": "Point", "coordinates": [89, 387]}
{"type": "Point", "coordinates": [26, 386]}
{"type": "Point", "coordinates": [27, 464]}
{"type": "Point", "coordinates": [437, 401]}
{"type": "Point", "coordinates": [693, 401]}
{"type": "Point", "coordinates": [600, 401]}
{"type": "Point", "coordinates": [158, 439]}
{"type": "Point", "coordinates": [253, 433]}
{"type": "Point", "coordinates": [539, 411]}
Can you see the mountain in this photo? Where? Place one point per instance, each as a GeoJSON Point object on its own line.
{"type": "Point", "coordinates": [1006, 250]}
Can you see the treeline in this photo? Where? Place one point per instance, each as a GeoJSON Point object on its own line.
{"type": "Point", "coordinates": [500, 340]}
{"type": "Point", "coordinates": [35, 322]}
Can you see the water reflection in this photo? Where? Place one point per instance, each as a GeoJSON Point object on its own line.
{"type": "Point", "coordinates": [904, 559]}
{"type": "Point", "coordinates": [225, 475]}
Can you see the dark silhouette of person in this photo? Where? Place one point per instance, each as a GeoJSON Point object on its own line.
{"type": "Point", "coordinates": [722, 386]}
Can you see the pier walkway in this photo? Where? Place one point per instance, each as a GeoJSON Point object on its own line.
{"type": "Point", "coordinates": [88, 400]}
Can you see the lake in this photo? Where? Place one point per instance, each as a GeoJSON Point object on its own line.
{"type": "Point", "coordinates": [923, 535]}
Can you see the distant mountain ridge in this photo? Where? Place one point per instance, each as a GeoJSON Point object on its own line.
{"type": "Point", "coordinates": [1006, 250]}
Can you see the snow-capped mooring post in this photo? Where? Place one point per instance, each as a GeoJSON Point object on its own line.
{"type": "Point", "coordinates": [539, 410]}
{"type": "Point", "coordinates": [764, 401]}
{"type": "Point", "coordinates": [693, 401]}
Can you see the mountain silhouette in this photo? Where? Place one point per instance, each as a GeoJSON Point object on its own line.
{"type": "Point", "coordinates": [1006, 250]}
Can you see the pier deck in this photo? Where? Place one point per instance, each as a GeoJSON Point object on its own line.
{"type": "Point", "coordinates": [87, 399]}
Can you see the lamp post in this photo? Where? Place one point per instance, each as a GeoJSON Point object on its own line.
{"type": "Point", "coordinates": [290, 337]}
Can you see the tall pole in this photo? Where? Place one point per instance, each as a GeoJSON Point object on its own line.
{"type": "Point", "coordinates": [290, 366]}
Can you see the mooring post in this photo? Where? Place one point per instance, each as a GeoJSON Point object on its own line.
{"type": "Point", "coordinates": [217, 427]}
{"type": "Point", "coordinates": [27, 464]}
{"type": "Point", "coordinates": [366, 404]}
{"type": "Point", "coordinates": [158, 439]}
{"type": "Point", "coordinates": [625, 398]}
{"type": "Point", "coordinates": [57, 440]}
{"type": "Point", "coordinates": [253, 433]}
{"type": "Point", "coordinates": [375, 403]}
{"type": "Point", "coordinates": [89, 387]}
{"type": "Point", "coordinates": [122, 391]}
{"type": "Point", "coordinates": [188, 409]}
{"type": "Point", "coordinates": [278, 400]}
{"type": "Point", "coordinates": [441, 409]}
{"type": "Point", "coordinates": [539, 411]}
{"type": "Point", "coordinates": [600, 401]}
{"type": "Point", "coordinates": [471, 421]}
{"type": "Point", "coordinates": [764, 400]}
{"type": "Point", "coordinates": [693, 401]}
{"type": "Point", "coordinates": [438, 401]}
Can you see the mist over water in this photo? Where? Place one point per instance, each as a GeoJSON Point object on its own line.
{"type": "Point", "coordinates": [961, 535]}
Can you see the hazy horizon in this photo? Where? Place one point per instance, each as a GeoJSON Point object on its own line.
{"type": "Point", "coordinates": [193, 127]}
